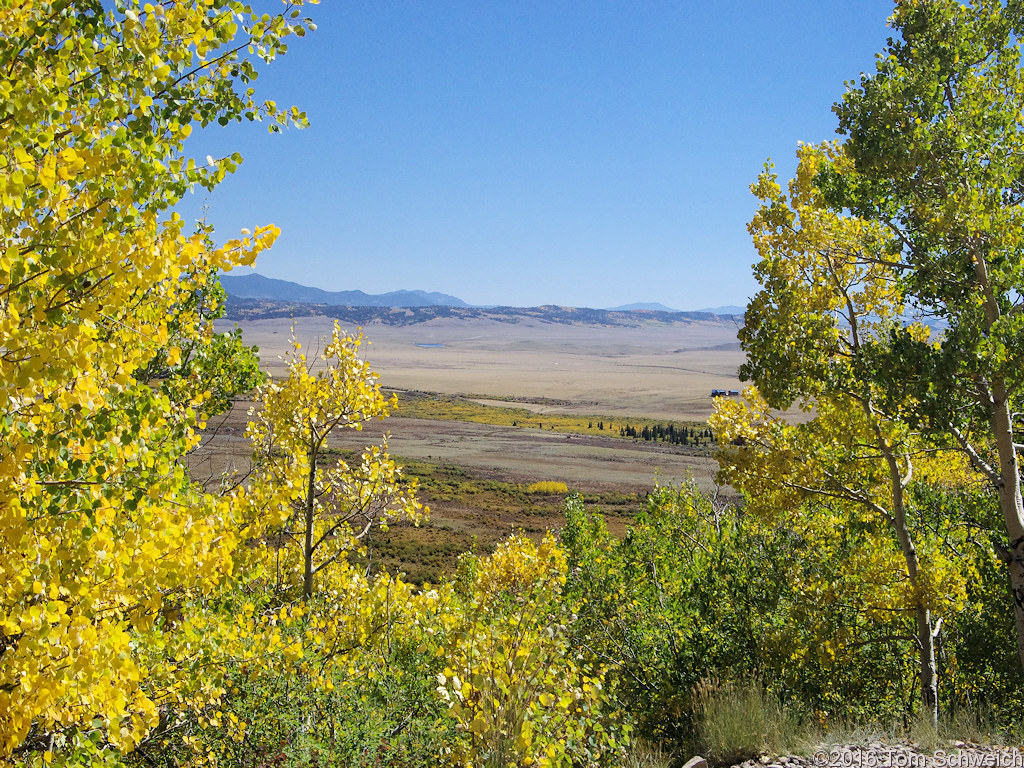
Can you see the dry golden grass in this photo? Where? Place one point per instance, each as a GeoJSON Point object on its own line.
{"type": "Point", "coordinates": [655, 370]}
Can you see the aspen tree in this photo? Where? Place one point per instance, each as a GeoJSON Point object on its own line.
{"type": "Point", "coordinates": [936, 140]}
{"type": "Point", "coordinates": [98, 521]}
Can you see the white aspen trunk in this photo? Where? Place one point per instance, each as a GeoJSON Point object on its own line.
{"type": "Point", "coordinates": [927, 671]}
{"type": "Point", "coordinates": [307, 542]}
{"type": "Point", "coordinates": [1011, 503]}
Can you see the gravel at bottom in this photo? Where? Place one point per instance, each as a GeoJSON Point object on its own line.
{"type": "Point", "coordinates": [880, 754]}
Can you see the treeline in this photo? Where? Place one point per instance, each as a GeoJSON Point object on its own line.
{"type": "Point", "coordinates": [669, 433]}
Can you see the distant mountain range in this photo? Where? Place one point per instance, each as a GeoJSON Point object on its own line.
{"type": "Point", "coordinates": [238, 310]}
{"type": "Point", "coordinates": [728, 309]}
{"type": "Point", "coordinates": [257, 288]}
{"type": "Point", "coordinates": [643, 307]}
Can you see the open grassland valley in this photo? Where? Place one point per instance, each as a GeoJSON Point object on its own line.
{"type": "Point", "coordinates": [473, 506]}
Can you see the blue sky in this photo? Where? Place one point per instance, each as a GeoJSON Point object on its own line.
{"type": "Point", "coordinates": [524, 153]}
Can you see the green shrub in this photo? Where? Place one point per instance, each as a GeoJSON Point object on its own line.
{"type": "Point", "coordinates": [671, 577]}
{"type": "Point", "coordinates": [694, 592]}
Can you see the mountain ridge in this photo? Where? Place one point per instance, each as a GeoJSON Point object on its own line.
{"type": "Point", "coordinates": [728, 309]}
{"type": "Point", "coordinates": [241, 310]}
{"type": "Point", "coordinates": [256, 286]}
{"type": "Point", "coordinates": [253, 295]}
{"type": "Point", "coordinates": [643, 306]}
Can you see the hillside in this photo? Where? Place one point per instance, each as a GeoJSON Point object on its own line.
{"type": "Point", "coordinates": [242, 309]}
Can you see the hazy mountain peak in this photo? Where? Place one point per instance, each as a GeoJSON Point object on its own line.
{"type": "Point", "coordinates": [643, 307]}
{"type": "Point", "coordinates": [256, 286]}
{"type": "Point", "coordinates": [728, 309]}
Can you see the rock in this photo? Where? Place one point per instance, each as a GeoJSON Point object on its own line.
{"type": "Point", "coordinates": [696, 762]}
